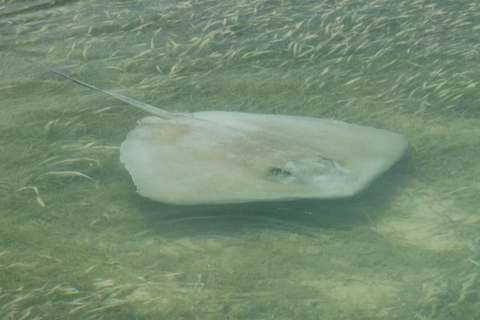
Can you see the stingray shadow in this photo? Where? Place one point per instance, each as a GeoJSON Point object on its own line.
{"type": "Point", "coordinates": [295, 216]}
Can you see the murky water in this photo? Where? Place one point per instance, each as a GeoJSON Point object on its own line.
{"type": "Point", "coordinates": [78, 242]}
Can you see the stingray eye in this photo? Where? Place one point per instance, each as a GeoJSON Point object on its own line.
{"type": "Point", "coordinates": [277, 172]}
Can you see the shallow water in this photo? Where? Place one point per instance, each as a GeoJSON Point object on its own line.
{"type": "Point", "coordinates": [77, 242]}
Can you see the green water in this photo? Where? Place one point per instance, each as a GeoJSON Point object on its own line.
{"type": "Point", "coordinates": [77, 242]}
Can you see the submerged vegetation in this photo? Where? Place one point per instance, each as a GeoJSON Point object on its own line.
{"type": "Point", "coordinates": [78, 243]}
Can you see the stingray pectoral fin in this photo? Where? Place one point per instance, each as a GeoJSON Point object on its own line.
{"type": "Point", "coordinates": [363, 152]}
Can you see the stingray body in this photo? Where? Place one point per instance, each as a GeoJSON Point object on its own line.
{"type": "Point", "coordinates": [217, 157]}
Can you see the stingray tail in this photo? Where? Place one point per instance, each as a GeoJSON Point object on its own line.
{"type": "Point", "coordinates": [146, 107]}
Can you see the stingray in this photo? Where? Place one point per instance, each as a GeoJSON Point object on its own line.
{"type": "Point", "coordinates": [221, 157]}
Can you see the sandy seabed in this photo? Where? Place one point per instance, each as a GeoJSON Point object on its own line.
{"type": "Point", "coordinates": [76, 242]}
